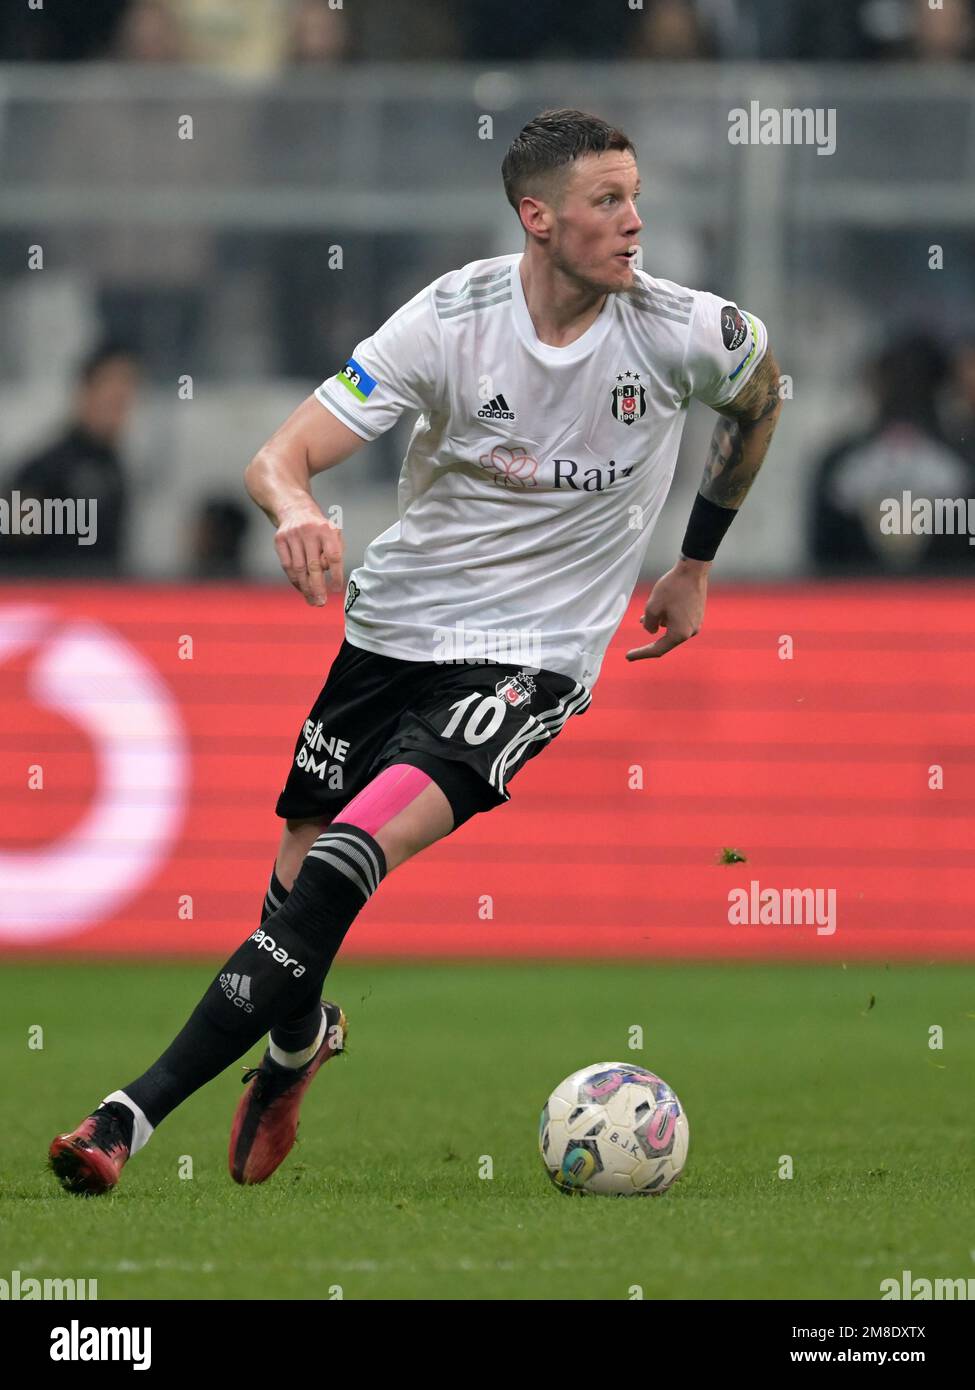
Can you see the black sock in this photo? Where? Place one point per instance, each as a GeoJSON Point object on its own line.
{"type": "Point", "coordinates": [275, 897]}
{"type": "Point", "coordinates": [300, 1029]}
{"type": "Point", "coordinates": [266, 978]}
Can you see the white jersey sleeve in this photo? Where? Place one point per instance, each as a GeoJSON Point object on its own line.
{"type": "Point", "coordinates": [399, 368]}
{"type": "Point", "coordinates": [724, 347]}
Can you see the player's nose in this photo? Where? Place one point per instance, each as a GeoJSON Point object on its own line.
{"type": "Point", "coordinates": [634, 223]}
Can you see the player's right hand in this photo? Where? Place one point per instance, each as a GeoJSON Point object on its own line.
{"type": "Point", "coordinates": [310, 550]}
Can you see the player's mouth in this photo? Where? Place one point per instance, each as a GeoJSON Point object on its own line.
{"type": "Point", "coordinates": [628, 256]}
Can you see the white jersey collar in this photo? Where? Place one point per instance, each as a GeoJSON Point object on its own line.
{"type": "Point", "coordinates": [574, 352]}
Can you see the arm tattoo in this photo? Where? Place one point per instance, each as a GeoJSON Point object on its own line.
{"type": "Point", "coordinates": [741, 438]}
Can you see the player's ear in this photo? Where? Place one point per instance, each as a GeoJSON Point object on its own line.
{"type": "Point", "coordinates": [536, 217]}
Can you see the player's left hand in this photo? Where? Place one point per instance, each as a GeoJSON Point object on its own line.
{"type": "Point", "coordinates": [676, 603]}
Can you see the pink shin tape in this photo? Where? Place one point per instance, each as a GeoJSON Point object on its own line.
{"type": "Point", "coordinates": [386, 795]}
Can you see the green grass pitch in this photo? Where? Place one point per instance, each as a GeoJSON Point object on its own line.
{"type": "Point", "coordinates": [382, 1196]}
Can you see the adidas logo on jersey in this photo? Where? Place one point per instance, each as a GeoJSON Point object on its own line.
{"type": "Point", "coordinates": [496, 408]}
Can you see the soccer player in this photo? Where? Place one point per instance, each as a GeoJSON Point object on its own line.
{"type": "Point", "coordinates": [552, 388]}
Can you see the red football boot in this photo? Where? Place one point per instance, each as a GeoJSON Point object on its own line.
{"type": "Point", "coordinates": [88, 1161]}
{"type": "Point", "coordinates": [266, 1120]}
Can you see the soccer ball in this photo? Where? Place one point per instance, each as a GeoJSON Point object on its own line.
{"type": "Point", "coordinates": [615, 1129]}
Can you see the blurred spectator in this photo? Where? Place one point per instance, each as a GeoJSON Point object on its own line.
{"type": "Point", "coordinates": [256, 36]}
{"type": "Point", "coordinates": [59, 31]}
{"type": "Point", "coordinates": [140, 298]}
{"type": "Point", "coordinates": [946, 34]}
{"type": "Point", "coordinates": [963, 399]}
{"type": "Point", "coordinates": [245, 36]}
{"type": "Point", "coordinates": [217, 538]}
{"type": "Point", "coordinates": [148, 32]}
{"type": "Point", "coordinates": [508, 30]}
{"type": "Point", "coordinates": [394, 31]}
{"type": "Point", "coordinates": [905, 451]}
{"type": "Point", "coordinates": [840, 30]}
{"type": "Point", "coordinates": [84, 462]}
{"type": "Point", "coordinates": [154, 274]}
{"type": "Point", "coordinates": [310, 304]}
{"type": "Point", "coordinates": [316, 34]}
{"type": "Point", "coordinates": [672, 31]}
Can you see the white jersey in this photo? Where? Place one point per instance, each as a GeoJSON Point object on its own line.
{"type": "Point", "coordinates": [534, 474]}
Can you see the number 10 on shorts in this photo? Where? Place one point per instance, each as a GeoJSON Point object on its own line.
{"type": "Point", "coordinates": [484, 720]}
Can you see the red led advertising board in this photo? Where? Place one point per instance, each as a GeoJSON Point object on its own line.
{"type": "Point", "coordinates": [825, 733]}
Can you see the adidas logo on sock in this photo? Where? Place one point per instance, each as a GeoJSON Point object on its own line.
{"type": "Point", "coordinates": [237, 988]}
{"type": "Point", "coordinates": [496, 408]}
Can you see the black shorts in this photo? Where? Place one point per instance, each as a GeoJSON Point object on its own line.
{"type": "Point", "coordinates": [469, 727]}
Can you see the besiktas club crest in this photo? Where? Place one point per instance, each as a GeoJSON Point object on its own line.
{"type": "Point", "coordinates": [629, 398]}
{"type": "Point", "coordinates": [516, 690]}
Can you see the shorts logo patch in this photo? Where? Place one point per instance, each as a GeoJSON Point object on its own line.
{"type": "Point", "coordinates": [516, 690]}
{"type": "Point", "coordinates": [734, 329]}
{"type": "Point", "coordinates": [356, 379]}
{"type": "Point", "coordinates": [353, 593]}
